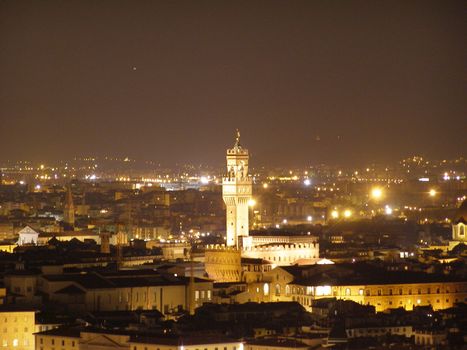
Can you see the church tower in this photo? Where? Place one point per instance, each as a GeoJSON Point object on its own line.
{"type": "Point", "coordinates": [69, 208]}
{"type": "Point", "coordinates": [236, 192]}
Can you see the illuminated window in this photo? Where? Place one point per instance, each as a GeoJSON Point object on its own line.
{"type": "Point", "coordinates": [347, 291]}
{"type": "Point", "coordinates": [266, 289]}
{"type": "Point", "coordinates": [360, 291]}
{"type": "Point", "coordinates": [323, 290]}
{"type": "Point", "coordinates": [196, 294]}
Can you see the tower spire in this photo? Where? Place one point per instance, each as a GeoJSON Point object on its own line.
{"type": "Point", "coordinates": [237, 139]}
{"type": "Point", "coordinates": [69, 208]}
{"type": "Point", "coordinates": [236, 192]}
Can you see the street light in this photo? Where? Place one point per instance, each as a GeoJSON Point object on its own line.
{"type": "Point", "coordinates": [433, 192]}
{"type": "Point", "coordinates": [334, 214]}
{"type": "Point", "coordinates": [376, 193]}
{"type": "Point", "coordinates": [347, 213]}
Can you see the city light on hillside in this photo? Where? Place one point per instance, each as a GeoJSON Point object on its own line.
{"type": "Point", "coordinates": [376, 193]}
{"type": "Point", "coordinates": [388, 210]}
{"type": "Point", "coordinates": [251, 202]}
{"type": "Point", "coordinates": [433, 192]}
{"type": "Point", "coordinates": [334, 214]}
{"type": "Point", "coordinates": [347, 213]}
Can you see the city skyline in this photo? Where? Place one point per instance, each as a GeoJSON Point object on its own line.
{"type": "Point", "coordinates": [309, 83]}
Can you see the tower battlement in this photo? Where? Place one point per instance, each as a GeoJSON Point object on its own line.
{"type": "Point", "coordinates": [236, 191]}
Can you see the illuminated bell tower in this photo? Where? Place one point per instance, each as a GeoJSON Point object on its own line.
{"type": "Point", "coordinates": [236, 192]}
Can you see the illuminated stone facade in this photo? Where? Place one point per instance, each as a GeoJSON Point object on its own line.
{"type": "Point", "coordinates": [223, 263]}
{"type": "Point", "coordinates": [16, 329]}
{"type": "Point", "coordinates": [292, 284]}
{"type": "Point", "coordinates": [236, 192]}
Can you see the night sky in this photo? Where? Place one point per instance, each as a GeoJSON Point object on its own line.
{"type": "Point", "coordinates": [305, 81]}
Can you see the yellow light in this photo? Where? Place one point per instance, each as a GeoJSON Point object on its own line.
{"type": "Point", "coordinates": [432, 192]}
{"type": "Point", "coordinates": [347, 213]}
{"type": "Point", "coordinates": [376, 193]}
{"type": "Point", "coordinates": [334, 214]}
{"type": "Point", "coordinates": [251, 202]}
{"type": "Point", "coordinates": [265, 185]}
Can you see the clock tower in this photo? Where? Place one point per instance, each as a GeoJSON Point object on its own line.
{"type": "Point", "coordinates": [236, 192]}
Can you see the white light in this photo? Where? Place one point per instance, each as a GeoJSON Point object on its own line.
{"type": "Point", "coordinates": [251, 202]}
{"type": "Point", "coordinates": [307, 182]}
{"type": "Point", "coordinates": [423, 179]}
{"type": "Point", "coordinates": [388, 210]}
{"type": "Point", "coordinates": [37, 187]}
{"type": "Point", "coordinates": [309, 218]}
{"type": "Point", "coordinates": [323, 290]}
{"type": "Point", "coordinates": [334, 214]}
{"type": "Point", "coordinates": [347, 213]}
{"type": "Point", "coordinates": [204, 180]}
{"type": "Point", "coordinates": [277, 226]}
{"type": "Point", "coordinates": [284, 221]}
{"type": "Point", "coordinates": [92, 177]}
{"type": "Point", "coordinates": [21, 182]}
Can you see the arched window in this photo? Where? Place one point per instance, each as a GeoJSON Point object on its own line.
{"type": "Point", "coordinates": [287, 290]}
{"type": "Point", "coordinates": [278, 289]}
{"type": "Point", "coordinates": [266, 289]}
{"type": "Point", "coordinates": [347, 291]}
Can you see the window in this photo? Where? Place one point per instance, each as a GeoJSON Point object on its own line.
{"type": "Point", "coordinates": [278, 289]}
{"type": "Point", "coordinates": [390, 291]}
{"type": "Point", "coordinates": [266, 289]}
{"type": "Point", "coordinates": [209, 295]}
{"type": "Point", "coordinates": [53, 341]}
{"type": "Point", "coordinates": [73, 343]}
{"type": "Point", "coordinates": [400, 291]}
{"type": "Point", "coordinates": [360, 291]}
{"type": "Point", "coordinates": [368, 293]}
{"type": "Point", "coordinates": [347, 291]}
{"type": "Point", "coordinates": [380, 292]}
{"type": "Point", "coordinates": [196, 295]}
{"type": "Point", "coordinates": [63, 343]}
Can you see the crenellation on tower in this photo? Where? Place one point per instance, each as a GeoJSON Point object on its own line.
{"type": "Point", "coordinates": [236, 191]}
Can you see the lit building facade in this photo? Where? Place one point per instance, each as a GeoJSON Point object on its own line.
{"type": "Point", "coordinates": [16, 328]}
{"type": "Point", "coordinates": [236, 192]}
{"type": "Point", "coordinates": [304, 284]}
{"type": "Point", "coordinates": [223, 263]}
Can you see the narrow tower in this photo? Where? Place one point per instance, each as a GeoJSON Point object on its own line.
{"type": "Point", "coordinates": [69, 208]}
{"type": "Point", "coordinates": [236, 192]}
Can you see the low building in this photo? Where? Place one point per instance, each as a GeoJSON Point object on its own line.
{"type": "Point", "coordinates": [17, 326]}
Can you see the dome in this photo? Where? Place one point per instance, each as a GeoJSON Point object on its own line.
{"type": "Point", "coordinates": [461, 214]}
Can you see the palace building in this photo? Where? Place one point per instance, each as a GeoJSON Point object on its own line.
{"type": "Point", "coordinates": [223, 262]}
{"type": "Point", "coordinates": [362, 283]}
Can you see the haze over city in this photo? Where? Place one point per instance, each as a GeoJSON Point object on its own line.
{"type": "Point", "coordinates": [305, 81]}
{"type": "Point", "coordinates": [233, 175]}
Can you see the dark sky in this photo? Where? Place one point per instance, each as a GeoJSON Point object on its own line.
{"type": "Point", "coordinates": [171, 80]}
